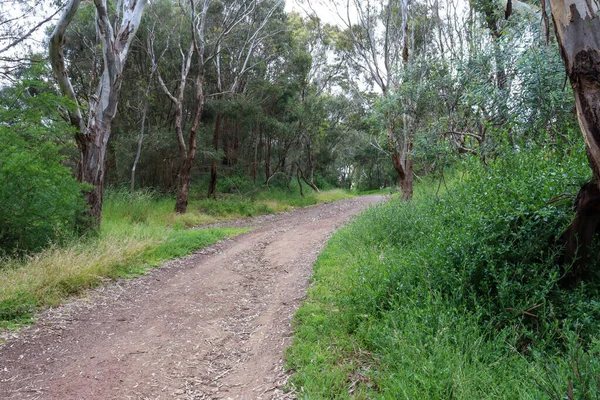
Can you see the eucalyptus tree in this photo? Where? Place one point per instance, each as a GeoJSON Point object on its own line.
{"type": "Point", "coordinates": [190, 40]}
{"type": "Point", "coordinates": [217, 52]}
{"type": "Point", "coordinates": [21, 25]}
{"type": "Point", "coordinates": [494, 16]}
{"type": "Point", "coordinates": [378, 40]}
{"type": "Point", "coordinates": [93, 133]}
{"type": "Point", "coordinates": [237, 52]}
{"type": "Point", "coordinates": [577, 28]}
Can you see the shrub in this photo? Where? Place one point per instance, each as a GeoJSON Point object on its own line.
{"type": "Point", "coordinates": [486, 246]}
{"type": "Point", "coordinates": [39, 199]}
{"type": "Point", "coordinates": [455, 294]}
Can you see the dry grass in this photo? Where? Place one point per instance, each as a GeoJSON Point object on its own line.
{"type": "Point", "coordinates": [47, 277]}
{"type": "Point", "coordinates": [276, 206]}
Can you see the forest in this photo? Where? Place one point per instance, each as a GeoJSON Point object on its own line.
{"type": "Point", "coordinates": [127, 123]}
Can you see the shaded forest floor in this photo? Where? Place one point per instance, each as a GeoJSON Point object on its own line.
{"type": "Point", "coordinates": [210, 325]}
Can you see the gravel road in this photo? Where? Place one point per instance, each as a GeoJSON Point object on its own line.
{"type": "Point", "coordinates": [213, 325]}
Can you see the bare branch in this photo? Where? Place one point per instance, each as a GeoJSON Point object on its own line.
{"type": "Point", "coordinates": [28, 33]}
{"type": "Point", "coordinates": [57, 60]}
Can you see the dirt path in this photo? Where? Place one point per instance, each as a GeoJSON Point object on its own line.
{"type": "Point", "coordinates": [213, 325]}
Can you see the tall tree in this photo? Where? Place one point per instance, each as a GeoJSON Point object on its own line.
{"type": "Point", "coordinates": [248, 33]}
{"type": "Point", "coordinates": [20, 22]}
{"type": "Point", "coordinates": [577, 28]}
{"type": "Point", "coordinates": [93, 135]}
{"type": "Point", "coordinates": [378, 41]}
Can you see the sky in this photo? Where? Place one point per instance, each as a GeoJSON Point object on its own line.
{"type": "Point", "coordinates": [323, 8]}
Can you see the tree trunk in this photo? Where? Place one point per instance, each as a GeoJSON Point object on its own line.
{"type": "Point", "coordinates": [299, 181]}
{"type": "Point", "coordinates": [577, 29]}
{"type": "Point", "coordinates": [183, 186]}
{"type": "Point", "coordinates": [311, 165]}
{"type": "Point", "coordinates": [212, 186]}
{"type": "Point", "coordinates": [406, 183]}
{"type": "Point", "coordinates": [256, 145]}
{"type": "Point", "coordinates": [225, 138]}
{"type": "Point", "coordinates": [141, 138]}
{"type": "Point", "coordinates": [186, 153]}
{"type": "Point", "coordinates": [400, 157]}
{"type": "Point", "coordinates": [267, 158]}
{"type": "Point", "coordinates": [404, 169]}
{"type": "Point", "coordinates": [579, 236]}
{"type": "Point", "coordinates": [185, 171]}
{"type": "Point", "coordinates": [230, 141]}
{"type": "Point", "coordinates": [93, 137]}
{"type": "Point", "coordinates": [235, 148]}
{"type": "Point", "coordinates": [93, 172]}
{"type": "Point", "coordinates": [309, 183]}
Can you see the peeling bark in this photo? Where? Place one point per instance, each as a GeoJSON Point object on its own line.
{"type": "Point", "coordinates": [577, 29]}
{"type": "Point", "coordinates": [92, 136]}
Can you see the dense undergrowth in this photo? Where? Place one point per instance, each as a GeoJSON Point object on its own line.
{"type": "Point", "coordinates": [455, 294]}
{"type": "Point", "coordinates": [133, 237]}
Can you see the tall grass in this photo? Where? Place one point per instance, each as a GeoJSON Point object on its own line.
{"type": "Point", "coordinates": [455, 294]}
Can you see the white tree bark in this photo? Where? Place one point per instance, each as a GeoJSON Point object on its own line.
{"type": "Point", "coordinates": [577, 28]}
{"type": "Point", "coordinates": [93, 135]}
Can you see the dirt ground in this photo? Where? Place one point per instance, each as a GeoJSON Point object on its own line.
{"type": "Point", "coordinates": [213, 325]}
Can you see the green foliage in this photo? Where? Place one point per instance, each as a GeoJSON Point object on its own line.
{"type": "Point", "coordinates": [134, 237]}
{"type": "Point", "coordinates": [40, 201]}
{"type": "Point", "coordinates": [455, 294]}
{"type": "Point", "coordinates": [17, 310]}
{"type": "Point", "coordinates": [183, 242]}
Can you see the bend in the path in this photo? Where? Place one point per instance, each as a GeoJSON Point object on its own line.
{"type": "Point", "coordinates": [212, 325]}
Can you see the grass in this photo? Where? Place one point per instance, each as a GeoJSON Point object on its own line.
{"type": "Point", "coordinates": [426, 299]}
{"type": "Point", "coordinates": [386, 190]}
{"type": "Point", "coordinates": [133, 237]}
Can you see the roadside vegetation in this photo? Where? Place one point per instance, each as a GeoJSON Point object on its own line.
{"type": "Point", "coordinates": [456, 294]}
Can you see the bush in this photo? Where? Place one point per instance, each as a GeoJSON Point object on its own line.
{"type": "Point", "coordinates": [486, 246]}
{"type": "Point", "coordinates": [39, 199]}
{"type": "Point", "coordinates": [454, 294]}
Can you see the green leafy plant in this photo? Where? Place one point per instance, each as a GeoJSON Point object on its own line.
{"type": "Point", "coordinates": [40, 201]}
{"type": "Point", "coordinates": [454, 294]}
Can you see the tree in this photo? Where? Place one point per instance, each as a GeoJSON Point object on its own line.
{"type": "Point", "coordinates": [247, 33]}
{"type": "Point", "coordinates": [378, 43]}
{"type": "Point", "coordinates": [92, 136]}
{"type": "Point", "coordinates": [577, 29]}
{"type": "Point", "coordinates": [19, 21]}
{"type": "Point", "coordinates": [40, 201]}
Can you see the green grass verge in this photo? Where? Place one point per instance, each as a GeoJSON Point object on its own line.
{"type": "Point", "coordinates": [454, 295]}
